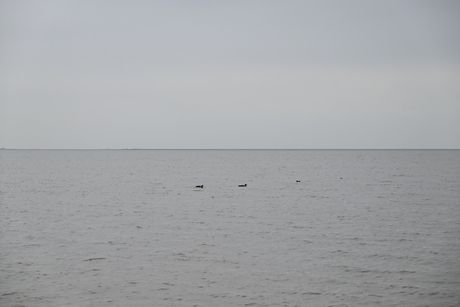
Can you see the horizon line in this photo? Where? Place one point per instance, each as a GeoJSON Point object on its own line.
{"type": "Point", "coordinates": [229, 148]}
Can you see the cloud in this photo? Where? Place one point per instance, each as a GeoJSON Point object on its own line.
{"type": "Point", "coordinates": [259, 74]}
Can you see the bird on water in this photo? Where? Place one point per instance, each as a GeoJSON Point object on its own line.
{"type": "Point", "coordinates": [243, 185]}
{"type": "Point", "coordinates": [199, 186]}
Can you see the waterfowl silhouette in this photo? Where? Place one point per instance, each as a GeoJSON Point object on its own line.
{"type": "Point", "coordinates": [297, 181]}
{"type": "Point", "coordinates": [199, 186]}
{"type": "Point", "coordinates": [242, 185]}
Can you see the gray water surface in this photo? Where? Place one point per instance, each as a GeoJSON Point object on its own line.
{"type": "Point", "coordinates": [129, 228]}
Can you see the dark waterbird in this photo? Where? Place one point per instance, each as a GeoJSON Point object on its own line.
{"type": "Point", "coordinates": [242, 185]}
{"type": "Point", "coordinates": [199, 186]}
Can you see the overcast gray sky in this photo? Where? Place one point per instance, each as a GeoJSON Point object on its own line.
{"type": "Point", "coordinates": [230, 74]}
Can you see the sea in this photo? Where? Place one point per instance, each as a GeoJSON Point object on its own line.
{"type": "Point", "coordinates": [310, 228]}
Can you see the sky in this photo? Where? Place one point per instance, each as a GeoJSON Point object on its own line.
{"type": "Point", "coordinates": [252, 74]}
